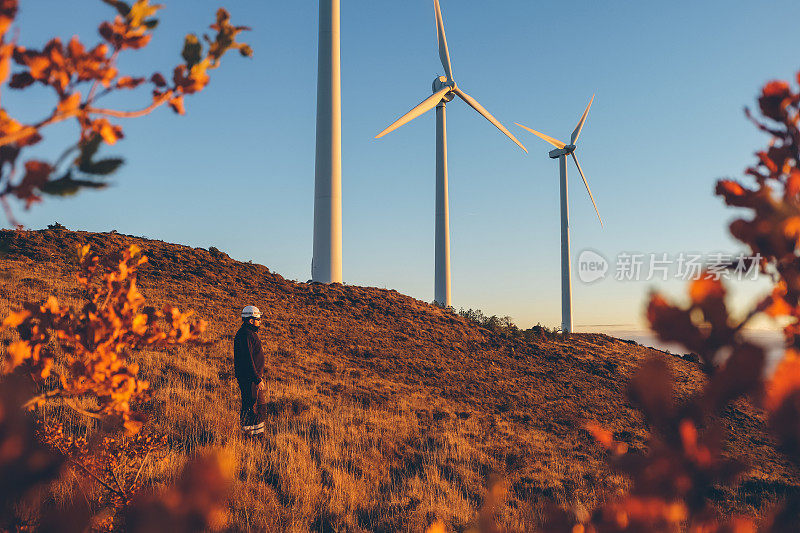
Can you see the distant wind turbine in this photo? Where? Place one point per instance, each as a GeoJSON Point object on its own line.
{"type": "Point", "coordinates": [444, 90]}
{"type": "Point", "coordinates": [326, 262]}
{"type": "Point", "coordinates": [561, 152]}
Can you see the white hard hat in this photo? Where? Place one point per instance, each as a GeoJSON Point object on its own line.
{"type": "Point", "coordinates": [251, 311]}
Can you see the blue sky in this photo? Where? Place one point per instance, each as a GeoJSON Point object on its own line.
{"type": "Point", "coordinates": [671, 80]}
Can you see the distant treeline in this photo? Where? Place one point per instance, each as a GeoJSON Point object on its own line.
{"type": "Point", "coordinates": [505, 326]}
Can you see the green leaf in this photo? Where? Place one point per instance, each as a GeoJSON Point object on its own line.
{"type": "Point", "coordinates": [191, 50]}
{"type": "Point", "coordinates": [86, 163]}
{"type": "Point", "coordinates": [103, 167]}
{"type": "Point", "coordinates": [89, 149]}
{"type": "Point", "coordinates": [121, 7]}
{"type": "Point", "coordinates": [151, 24]}
{"type": "Point", "coordinates": [66, 186]}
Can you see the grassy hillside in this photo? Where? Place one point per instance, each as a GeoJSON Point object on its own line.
{"type": "Point", "coordinates": [386, 412]}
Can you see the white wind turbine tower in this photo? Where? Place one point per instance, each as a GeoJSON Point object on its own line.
{"type": "Point", "coordinates": [444, 90]}
{"type": "Point", "coordinates": [561, 152]}
{"type": "Point", "coordinates": [326, 262]}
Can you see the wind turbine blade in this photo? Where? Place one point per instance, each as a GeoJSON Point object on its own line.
{"type": "Point", "coordinates": [587, 187]}
{"type": "Point", "coordinates": [444, 53]}
{"type": "Point", "coordinates": [488, 116]}
{"type": "Point", "coordinates": [423, 107]}
{"type": "Point", "coordinates": [555, 142]}
{"type": "Point", "coordinates": [579, 127]}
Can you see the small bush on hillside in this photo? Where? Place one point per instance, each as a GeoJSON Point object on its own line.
{"type": "Point", "coordinates": [505, 325]}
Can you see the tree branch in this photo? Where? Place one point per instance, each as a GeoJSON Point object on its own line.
{"type": "Point", "coordinates": [132, 114]}
{"type": "Point", "coordinates": [140, 467]}
{"type": "Point", "coordinates": [27, 131]}
{"type": "Point", "coordinates": [41, 397]}
{"type": "Point", "coordinates": [8, 211]}
{"type": "Point", "coordinates": [96, 478]}
{"type": "Point", "coordinates": [111, 62]}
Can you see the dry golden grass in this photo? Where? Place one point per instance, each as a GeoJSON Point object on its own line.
{"type": "Point", "coordinates": [385, 413]}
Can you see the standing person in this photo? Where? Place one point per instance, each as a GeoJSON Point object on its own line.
{"type": "Point", "coordinates": [248, 366]}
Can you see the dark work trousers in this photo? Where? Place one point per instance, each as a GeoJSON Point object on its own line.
{"type": "Point", "coordinates": [251, 419]}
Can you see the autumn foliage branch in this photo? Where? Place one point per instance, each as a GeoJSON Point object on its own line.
{"type": "Point", "coordinates": [81, 356]}
{"type": "Point", "coordinates": [79, 77]}
{"type": "Point", "coordinates": [96, 339]}
{"type": "Point", "coordinates": [686, 459]}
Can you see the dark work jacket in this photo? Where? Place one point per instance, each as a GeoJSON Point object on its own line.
{"type": "Point", "coordinates": [248, 356]}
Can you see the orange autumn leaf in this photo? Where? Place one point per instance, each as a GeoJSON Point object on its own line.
{"type": "Point", "coordinates": [773, 98]}
{"type": "Point", "coordinates": [436, 527]}
{"type": "Point", "coordinates": [17, 353]}
{"type": "Point", "coordinates": [121, 35]}
{"type": "Point", "coordinates": [134, 297]}
{"type": "Point", "coordinates": [691, 445]}
{"type": "Point", "coordinates": [133, 426]}
{"type": "Point", "coordinates": [601, 435]}
{"type": "Point", "coordinates": [778, 307]}
{"type": "Point", "coordinates": [791, 227]}
{"type": "Point", "coordinates": [730, 187]}
{"type": "Point", "coordinates": [15, 319]}
{"type": "Point", "coordinates": [673, 324]}
{"type": "Point", "coordinates": [69, 104]}
{"type": "Point", "coordinates": [141, 11]}
{"type": "Point", "coordinates": [793, 183]}
{"type": "Point", "coordinates": [8, 12]}
{"type": "Point", "coordinates": [775, 304]}
{"type": "Point", "coordinates": [784, 382]}
{"type": "Point", "coordinates": [109, 132]}
{"type": "Point", "coordinates": [649, 510]}
{"type": "Point", "coordinates": [606, 439]}
{"type": "Point", "coordinates": [128, 82]}
{"type": "Point", "coordinates": [51, 306]}
{"type": "Point", "coordinates": [75, 48]}
{"type": "Point", "coordinates": [767, 161]}
{"type": "Point", "coordinates": [176, 104]}
{"type": "Point", "coordinates": [6, 51]}
{"type": "Point", "coordinates": [36, 175]}
{"type": "Point", "coordinates": [703, 289]}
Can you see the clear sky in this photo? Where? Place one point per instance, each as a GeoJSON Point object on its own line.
{"type": "Point", "coordinates": [237, 172]}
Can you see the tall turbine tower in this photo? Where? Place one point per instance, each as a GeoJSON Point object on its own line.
{"type": "Point", "coordinates": [444, 90]}
{"type": "Point", "coordinates": [326, 263]}
{"type": "Point", "coordinates": [561, 152]}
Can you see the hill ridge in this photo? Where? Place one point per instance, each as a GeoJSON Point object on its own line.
{"type": "Point", "coordinates": [464, 400]}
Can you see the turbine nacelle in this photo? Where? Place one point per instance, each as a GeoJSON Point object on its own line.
{"type": "Point", "coordinates": [558, 152]}
{"type": "Point", "coordinates": [445, 89]}
{"type": "Point", "coordinates": [441, 83]}
{"type": "Point", "coordinates": [563, 149]}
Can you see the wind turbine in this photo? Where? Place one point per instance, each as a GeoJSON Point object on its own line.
{"type": "Point", "coordinates": [444, 90]}
{"type": "Point", "coordinates": [326, 262]}
{"type": "Point", "coordinates": [561, 152]}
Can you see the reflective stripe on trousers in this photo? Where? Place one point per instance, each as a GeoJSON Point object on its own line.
{"type": "Point", "coordinates": [256, 429]}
